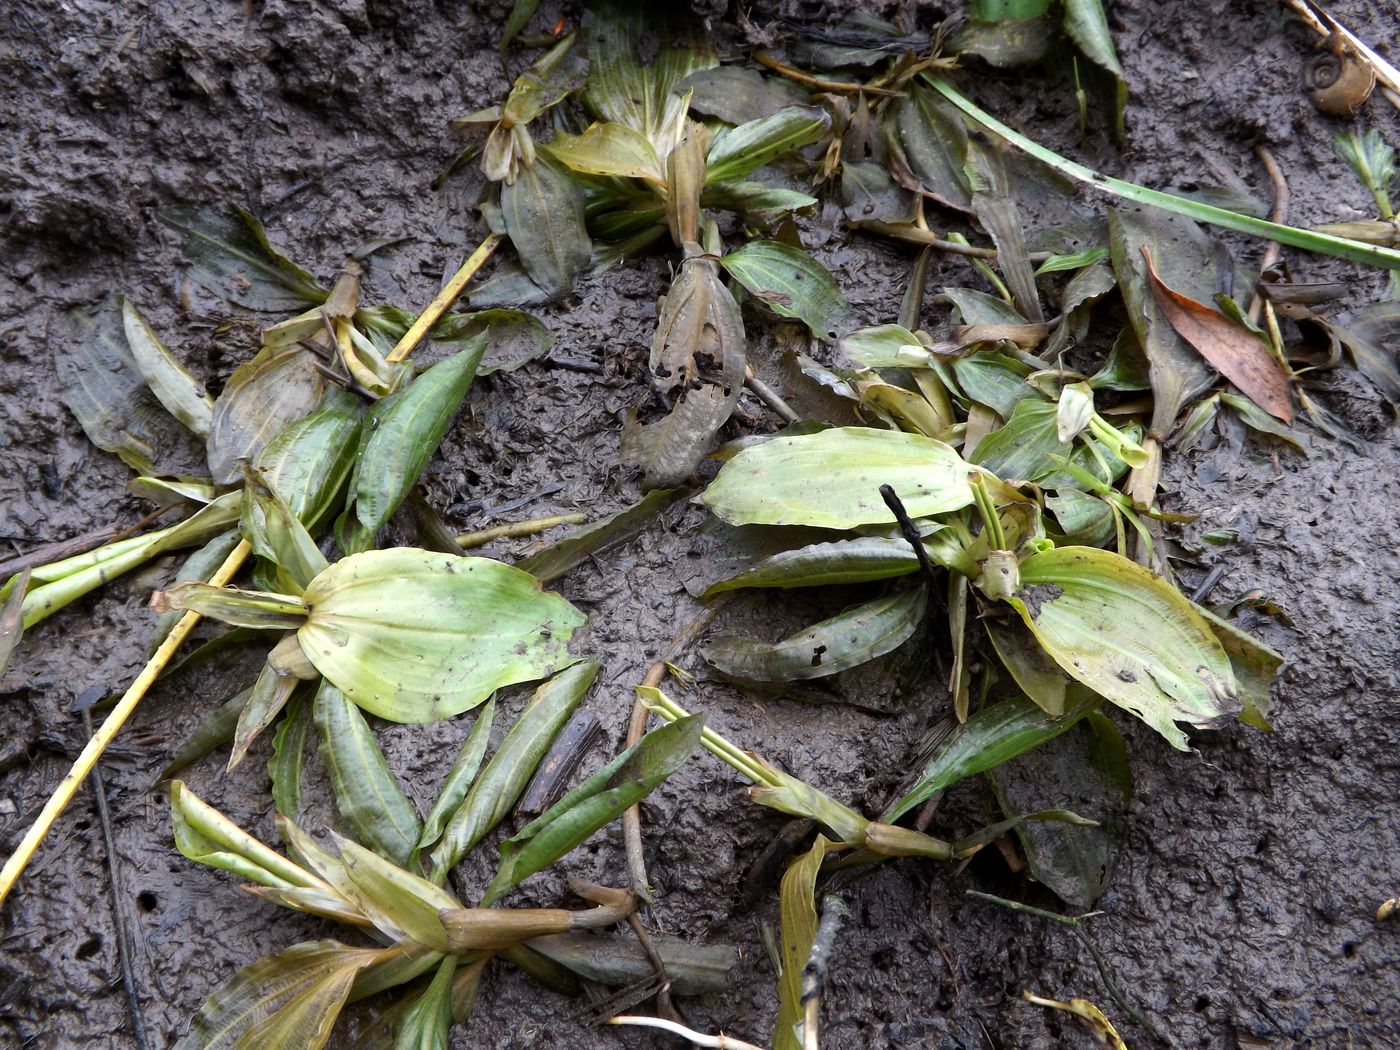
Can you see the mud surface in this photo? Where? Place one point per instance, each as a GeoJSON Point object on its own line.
{"type": "Point", "coordinates": [1241, 911]}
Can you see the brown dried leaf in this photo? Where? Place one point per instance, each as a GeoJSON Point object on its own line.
{"type": "Point", "coordinates": [1231, 350]}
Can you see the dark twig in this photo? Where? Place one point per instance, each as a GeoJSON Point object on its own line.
{"type": "Point", "coordinates": [124, 945]}
{"type": "Point", "coordinates": [1075, 923]}
{"type": "Point", "coordinates": [1208, 584]}
{"type": "Point", "coordinates": [834, 913]}
{"type": "Point", "coordinates": [910, 533]}
{"type": "Point", "coordinates": [769, 396]}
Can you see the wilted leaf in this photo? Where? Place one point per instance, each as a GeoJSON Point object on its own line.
{"type": "Point", "coordinates": [609, 149]}
{"type": "Point", "coordinates": [798, 908]}
{"type": "Point", "coordinates": [1233, 351]}
{"type": "Point", "coordinates": [1090, 1014]}
{"type": "Point", "coordinates": [508, 773]}
{"type": "Point", "coordinates": [543, 215]}
{"type": "Point", "coordinates": [991, 736]}
{"type": "Point", "coordinates": [934, 144]}
{"type": "Point", "coordinates": [883, 346]}
{"type": "Point", "coordinates": [597, 536]}
{"type": "Point", "coordinates": [233, 259]}
{"type": "Point", "coordinates": [847, 640]}
{"type": "Point", "coordinates": [201, 566]}
{"type": "Point", "coordinates": [460, 777]}
{"type": "Point", "coordinates": [183, 396]}
{"type": "Point", "coordinates": [262, 397]}
{"type": "Point", "coordinates": [736, 152]}
{"type": "Point", "coordinates": [1255, 665]}
{"type": "Point", "coordinates": [737, 95]}
{"type": "Point", "coordinates": [513, 338]}
{"type": "Point", "coordinates": [214, 729]}
{"type": "Point", "coordinates": [598, 801]}
{"type": "Point", "coordinates": [1129, 635]}
{"type": "Point", "coordinates": [792, 284]}
{"type": "Point", "coordinates": [869, 194]}
{"type": "Point", "coordinates": [1087, 771]}
{"type": "Point", "coordinates": [413, 637]}
{"type": "Point", "coordinates": [1039, 677]}
{"type": "Point", "coordinates": [1009, 38]}
{"type": "Point", "coordinates": [269, 695]}
{"type": "Point", "coordinates": [1372, 337]}
{"type": "Point", "coordinates": [832, 479]}
{"type": "Point", "coordinates": [996, 210]}
{"type": "Point", "coordinates": [206, 836]}
{"type": "Point", "coordinates": [409, 903]}
{"type": "Point", "coordinates": [367, 794]}
{"type": "Point", "coordinates": [843, 561]}
{"type": "Point", "coordinates": [616, 961]}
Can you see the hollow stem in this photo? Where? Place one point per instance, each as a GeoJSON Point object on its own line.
{"type": "Point", "coordinates": [68, 786]}
{"type": "Point", "coordinates": [451, 291]}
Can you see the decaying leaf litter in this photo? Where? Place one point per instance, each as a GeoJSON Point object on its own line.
{"type": "Point", "coordinates": [1061, 395]}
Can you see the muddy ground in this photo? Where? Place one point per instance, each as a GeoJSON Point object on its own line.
{"type": "Point", "coordinates": [1241, 911]}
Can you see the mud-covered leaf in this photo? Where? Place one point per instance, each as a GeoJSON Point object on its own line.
{"type": "Point", "coordinates": [214, 730]}
{"type": "Point", "coordinates": [1129, 635]}
{"type": "Point", "coordinates": [597, 536]}
{"type": "Point", "coordinates": [408, 428]}
{"type": "Point", "coordinates": [543, 215]}
{"type": "Point", "coordinates": [414, 637]}
{"type": "Point", "coordinates": [1255, 665]}
{"type": "Point", "coordinates": [991, 736]}
{"type": "Point", "coordinates": [288, 750]}
{"type": "Point", "coordinates": [844, 641]}
{"type": "Point", "coordinates": [818, 564]}
{"type": "Point", "coordinates": [617, 961]}
{"type": "Point", "coordinates": [994, 205]}
{"type": "Point", "coordinates": [367, 794]}
{"type": "Point", "coordinates": [269, 695]}
{"type": "Point", "coordinates": [183, 396]}
{"type": "Point", "coordinates": [739, 151]}
{"type": "Point", "coordinates": [1085, 770]}
{"type": "Point", "coordinates": [609, 149]}
{"type": "Point", "coordinates": [792, 284]}
{"type": "Point", "coordinates": [1007, 35]}
{"type": "Point", "coordinates": [598, 801]}
{"type": "Point", "coordinates": [308, 462]}
{"type": "Point", "coordinates": [738, 95]}
{"type": "Point", "coordinates": [508, 773]}
{"type": "Point", "coordinates": [263, 396]}
{"type": "Point", "coordinates": [869, 194]}
{"type": "Point", "coordinates": [1039, 677]}
{"type": "Point", "coordinates": [1232, 350]}
{"type": "Point", "coordinates": [291, 999]}
{"type": "Point", "coordinates": [1086, 24]}
{"type": "Point", "coordinates": [513, 337]}
{"type": "Point", "coordinates": [99, 382]}
{"type": "Point", "coordinates": [1372, 338]}
{"type": "Point", "coordinates": [798, 913]}
{"type": "Point", "coordinates": [933, 139]}
{"type": "Point", "coordinates": [233, 259]}
{"type": "Point", "coordinates": [832, 479]}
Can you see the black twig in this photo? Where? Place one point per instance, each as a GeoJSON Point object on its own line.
{"type": "Point", "coordinates": [814, 973]}
{"type": "Point", "coordinates": [910, 533]}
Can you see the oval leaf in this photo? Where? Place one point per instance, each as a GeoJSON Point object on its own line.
{"type": "Point", "coordinates": [263, 396]}
{"type": "Point", "coordinates": [183, 396]}
{"type": "Point", "coordinates": [792, 284]}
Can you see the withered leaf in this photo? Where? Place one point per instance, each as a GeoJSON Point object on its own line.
{"type": "Point", "coordinates": [1231, 350]}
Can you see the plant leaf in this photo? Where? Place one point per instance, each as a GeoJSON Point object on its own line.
{"type": "Point", "coordinates": [307, 463]}
{"type": "Point", "coordinates": [847, 640]}
{"type": "Point", "coordinates": [817, 564]}
{"type": "Point", "coordinates": [409, 902]}
{"type": "Point", "coordinates": [1086, 24]}
{"type": "Point", "coordinates": [543, 215]}
{"type": "Point", "coordinates": [269, 695]}
{"type": "Point", "coordinates": [508, 773]}
{"type": "Point", "coordinates": [609, 149]}
{"type": "Point", "coordinates": [413, 636]}
{"type": "Point", "coordinates": [1038, 676]}
{"type": "Point", "coordinates": [367, 794]}
{"type": "Point", "coordinates": [427, 1023]}
{"type": "Point", "coordinates": [1024, 448]}
{"type": "Point", "coordinates": [459, 778]}
{"type": "Point", "coordinates": [798, 908]}
{"type": "Point", "coordinates": [884, 346]}
{"type": "Point", "coordinates": [832, 479]}
{"type": "Point", "coordinates": [1129, 635]}
{"type": "Point", "coordinates": [736, 152]}
{"type": "Point", "coordinates": [1233, 351]}
{"type": "Point", "coordinates": [1255, 665]}
{"type": "Point", "coordinates": [214, 729]}
{"type": "Point", "coordinates": [233, 259]}
{"type": "Point", "coordinates": [598, 801]}
{"type": "Point", "coordinates": [1086, 770]}
{"type": "Point", "coordinates": [597, 536]}
{"type": "Point", "coordinates": [738, 95]}
{"type": "Point", "coordinates": [262, 397]}
{"type": "Point", "coordinates": [618, 962]}
{"type": "Point", "coordinates": [288, 750]}
{"type": "Point", "coordinates": [408, 428]}
{"type": "Point", "coordinates": [933, 139]}
{"type": "Point", "coordinates": [991, 736]}
{"type": "Point", "coordinates": [183, 396]}
{"type": "Point", "coordinates": [792, 284]}
{"type": "Point", "coordinates": [206, 836]}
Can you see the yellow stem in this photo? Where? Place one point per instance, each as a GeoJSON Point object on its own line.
{"type": "Point", "coordinates": [68, 787]}
{"type": "Point", "coordinates": [518, 528]}
{"type": "Point", "coordinates": [444, 299]}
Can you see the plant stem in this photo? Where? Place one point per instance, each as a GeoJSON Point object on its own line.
{"type": "Point", "coordinates": [1309, 240]}
{"type": "Point", "coordinates": [716, 1042]}
{"type": "Point", "coordinates": [444, 299]}
{"type": "Point", "coordinates": [67, 787]}
{"type": "Point", "coordinates": [510, 530]}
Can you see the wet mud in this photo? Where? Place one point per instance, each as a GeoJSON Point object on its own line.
{"type": "Point", "coordinates": [1241, 910]}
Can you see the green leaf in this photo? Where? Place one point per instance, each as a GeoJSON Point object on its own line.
{"type": "Point", "coordinates": [543, 215]}
{"type": "Point", "coordinates": [414, 637]}
{"type": "Point", "coordinates": [1086, 24]}
{"type": "Point", "coordinates": [1074, 261]}
{"type": "Point", "coordinates": [934, 143]}
{"type": "Point", "coordinates": [798, 909]}
{"type": "Point", "coordinates": [233, 259]}
{"type": "Point", "coordinates": [409, 903]}
{"type": "Point", "coordinates": [1255, 665]}
{"type": "Point", "coordinates": [260, 610]}
{"type": "Point", "coordinates": [755, 198]}
{"type": "Point", "coordinates": [367, 794]}
{"type": "Point", "coordinates": [408, 428]}
{"type": "Point", "coordinates": [884, 346]}
{"type": "Point", "coordinates": [214, 729]}
{"type": "Point", "coordinates": [508, 773]}
{"type": "Point", "coordinates": [1129, 635]}
{"type": "Point", "coordinates": [736, 152]}
{"type": "Point", "coordinates": [1023, 449]}
{"type": "Point", "coordinates": [520, 14]}
{"type": "Point", "coordinates": [183, 396]}
{"type": "Point", "coordinates": [597, 536]}
{"type": "Point", "coordinates": [199, 566]}
{"type": "Point", "coordinates": [426, 1024]}
{"type": "Point", "coordinates": [290, 999]}
{"type": "Point", "coordinates": [99, 382]}
{"type": "Point", "coordinates": [598, 801]}
{"type": "Point", "coordinates": [1086, 770]}
{"type": "Point", "coordinates": [288, 749]}
{"type": "Point", "coordinates": [459, 778]}
{"type": "Point", "coordinates": [832, 479]}
{"type": "Point", "coordinates": [994, 380]}
{"type": "Point", "coordinates": [1038, 676]}
{"type": "Point", "coordinates": [269, 695]}
{"type": "Point", "coordinates": [993, 735]}
{"type": "Point", "coordinates": [818, 564]}
{"type": "Point", "coordinates": [847, 640]}
{"type": "Point", "coordinates": [609, 149]}
{"type": "Point", "coordinates": [262, 397]}
{"type": "Point", "coordinates": [792, 284]}
{"type": "Point", "coordinates": [616, 961]}
{"type": "Point", "coordinates": [206, 836]}
{"type": "Point", "coordinates": [276, 534]}
{"type": "Point", "coordinates": [308, 461]}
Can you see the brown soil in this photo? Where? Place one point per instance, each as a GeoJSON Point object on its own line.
{"type": "Point", "coordinates": [1241, 911]}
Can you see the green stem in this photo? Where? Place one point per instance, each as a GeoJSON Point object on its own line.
{"type": "Point", "coordinates": [514, 529]}
{"type": "Point", "coordinates": [1124, 447]}
{"type": "Point", "coordinates": [987, 508]}
{"type": "Point", "coordinates": [1309, 240]}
